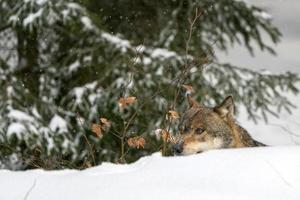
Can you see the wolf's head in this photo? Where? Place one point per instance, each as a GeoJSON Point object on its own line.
{"type": "Point", "coordinates": [202, 128]}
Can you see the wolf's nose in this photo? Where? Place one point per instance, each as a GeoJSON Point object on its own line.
{"type": "Point", "coordinates": [177, 148]}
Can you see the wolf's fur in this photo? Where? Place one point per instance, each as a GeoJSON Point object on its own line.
{"type": "Point", "coordinates": [202, 128]}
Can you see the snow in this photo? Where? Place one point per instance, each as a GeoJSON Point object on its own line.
{"type": "Point", "coordinates": [13, 18]}
{"type": "Point", "coordinates": [20, 116]}
{"type": "Point", "coordinates": [74, 6]}
{"type": "Point", "coordinates": [120, 43]}
{"type": "Point", "coordinates": [74, 66]}
{"type": "Point", "coordinates": [15, 128]}
{"type": "Point", "coordinates": [36, 113]}
{"type": "Point", "coordinates": [264, 15]}
{"type": "Point", "coordinates": [162, 53]}
{"type": "Point", "coordinates": [31, 17]}
{"type": "Point", "coordinates": [146, 61]}
{"type": "Point", "coordinates": [58, 124]}
{"type": "Point", "coordinates": [149, 53]}
{"type": "Point", "coordinates": [79, 91]}
{"type": "Point", "coordinates": [87, 22]}
{"type": "Point", "coordinates": [250, 173]}
{"type": "Point", "coordinates": [41, 2]}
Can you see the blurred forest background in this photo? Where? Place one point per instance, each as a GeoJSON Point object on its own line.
{"type": "Point", "coordinates": [66, 64]}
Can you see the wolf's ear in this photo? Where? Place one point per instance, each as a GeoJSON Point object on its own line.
{"type": "Point", "coordinates": [192, 102]}
{"type": "Point", "coordinates": [226, 108]}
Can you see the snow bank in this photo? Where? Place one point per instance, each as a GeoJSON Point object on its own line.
{"type": "Point", "coordinates": [252, 173]}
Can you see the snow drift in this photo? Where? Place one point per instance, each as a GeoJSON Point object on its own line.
{"type": "Point", "coordinates": [250, 173]}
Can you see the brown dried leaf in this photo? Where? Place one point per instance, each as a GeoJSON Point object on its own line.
{"type": "Point", "coordinates": [141, 142]}
{"type": "Point", "coordinates": [189, 89]}
{"type": "Point", "coordinates": [136, 142]}
{"type": "Point", "coordinates": [166, 136]}
{"type": "Point", "coordinates": [123, 102]}
{"type": "Point", "coordinates": [130, 100]}
{"type": "Point", "coordinates": [105, 121]}
{"type": "Point", "coordinates": [130, 142]}
{"type": "Point", "coordinates": [173, 114]}
{"type": "Point", "coordinates": [97, 129]}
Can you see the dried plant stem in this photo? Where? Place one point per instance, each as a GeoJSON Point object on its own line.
{"type": "Point", "coordinates": [164, 149]}
{"type": "Point", "coordinates": [122, 157]}
{"type": "Point", "coordinates": [122, 140]}
{"type": "Point", "coordinates": [126, 125]}
{"type": "Point", "coordinates": [86, 139]}
{"type": "Point", "coordinates": [186, 67]}
{"type": "Point", "coordinates": [183, 74]}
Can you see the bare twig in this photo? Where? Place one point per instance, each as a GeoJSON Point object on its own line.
{"type": "Point", "coordinates": [126, 125]}
{"type": "Point", "coordinates": [86, 139]}
{"type": "Point", "coordinates": [192, 24]}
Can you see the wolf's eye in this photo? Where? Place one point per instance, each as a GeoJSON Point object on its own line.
{"type": "Point", "coordinates": [199, 130]}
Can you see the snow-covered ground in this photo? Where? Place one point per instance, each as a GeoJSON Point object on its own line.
{"type": "Point", "coordinates": [252, 173]}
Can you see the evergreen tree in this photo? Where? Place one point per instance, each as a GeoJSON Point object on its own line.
{"type": "Point", "coordinates": [66, 63]}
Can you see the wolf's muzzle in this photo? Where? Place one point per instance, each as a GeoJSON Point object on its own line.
{"type": "Point", "coordinates": [178, 148]}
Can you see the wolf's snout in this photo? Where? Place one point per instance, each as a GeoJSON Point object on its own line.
{"type": "Point", "coordinates": [177, 148]}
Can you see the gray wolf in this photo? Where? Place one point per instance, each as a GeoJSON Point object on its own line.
{"type": "Point", "coordinates": [203, 128]}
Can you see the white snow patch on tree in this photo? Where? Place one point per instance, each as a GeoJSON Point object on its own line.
{"type": "Point", "coordinates": [79, 91]}
{"type": "Point", "coordinates": [120, 43]}
{"type": "Point", "coordinates": [58, 124]}
{"type": "Point", "coordinates": [87, 22]}
{"type": "Point", "coordinates": [20, 116]}
{"type": "Point", "coordinates": [146, 61]}
{"type": "Point", "coordinates": [74, 6]}
{"type": "Point", "coordinates": [162, 53]}
{"type": "Point", "coordinates": [74, 66]}
{"type": "Point", "coordinates": [32, 17]}
{"type": "Point", "coordinates": [13, 19]}
{"type": "Point", "coordinates": [16, 128]}
{"type": "Point", "coordinates": [41, 2]}
{"type": "Point", "coordinates": [263, 15]}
